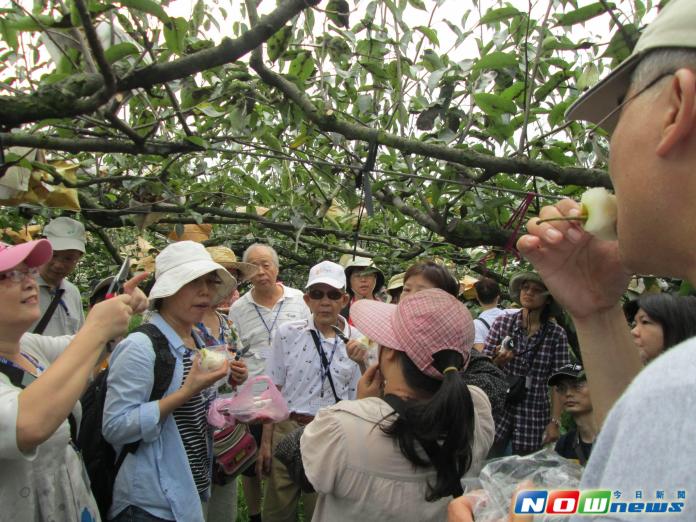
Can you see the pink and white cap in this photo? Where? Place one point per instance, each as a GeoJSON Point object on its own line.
{"type": "Point", "coordinates": [421, 325]}
{"type": "Point", "coordinates": [32, 253]}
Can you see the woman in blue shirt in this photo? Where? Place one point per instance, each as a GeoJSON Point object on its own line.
{"type": "Point", "coordinates": [168, 477]}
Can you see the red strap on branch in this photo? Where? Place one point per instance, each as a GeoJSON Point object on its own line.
{"type": "Point", "coordinates": [514, 223]}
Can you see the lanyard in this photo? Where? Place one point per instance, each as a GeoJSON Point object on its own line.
{"type": "Point", "coordinates": [324, 372]}
{"type": "Point", "coordinates": [33, 361]}
{"type": "Point", "coordinates": [275, 319]}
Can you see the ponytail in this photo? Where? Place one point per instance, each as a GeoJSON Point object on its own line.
{"type": "Point", "coordinates": [443, 426]}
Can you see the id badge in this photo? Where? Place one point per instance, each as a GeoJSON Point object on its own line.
{"type": "Point", "coordinates": [264, 352]}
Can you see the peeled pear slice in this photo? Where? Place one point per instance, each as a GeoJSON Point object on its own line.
{"type": "Point", "coordinates": [211, 361]}
{"type": "Point", "coordinates": [598, 206]}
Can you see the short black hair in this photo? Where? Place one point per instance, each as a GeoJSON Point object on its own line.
{"type": "Point", "coordinates": [487, 290]}
{"type": "Point", "coordinates": [436, 274]}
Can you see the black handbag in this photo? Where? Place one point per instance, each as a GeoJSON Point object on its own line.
{"type": "Point", "coordinates": [517, 384]}
{"type": "Point", "coordinates": [517, 389]}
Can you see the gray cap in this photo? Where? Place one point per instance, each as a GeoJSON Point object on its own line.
{"type": "Point", "coordinates": [65, 233]}
{"type": "Point", "coordinates": [675, 26]}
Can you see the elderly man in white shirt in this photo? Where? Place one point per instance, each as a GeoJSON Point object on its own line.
{"type": "Point", "coordinates": [257, 316]}
{"type": "Point", "coordinates": [313, 368]}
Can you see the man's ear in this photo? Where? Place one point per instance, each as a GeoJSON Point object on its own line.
{"type": "Point", "coordinates": [344, 300]}
{"type": "Point", "coordinates": [679, 121]}
{"type": "Point", "coordinates": [306, 299]}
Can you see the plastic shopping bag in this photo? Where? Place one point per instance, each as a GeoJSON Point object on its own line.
{"type": "Point", "coordinates": [257, 401]}
{"type": "Point", "coordinates": [545, 469]}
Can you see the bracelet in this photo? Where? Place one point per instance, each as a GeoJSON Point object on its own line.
{"type": "Point", "coordinates": [556, 421]}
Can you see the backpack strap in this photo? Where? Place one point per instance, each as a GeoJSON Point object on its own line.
{"type": "Point", "coordinates": [46, 317]}
{"type": "Point", "coordinates": [163, 373]}
{"type": "Point", "coordinates": [485, 323]}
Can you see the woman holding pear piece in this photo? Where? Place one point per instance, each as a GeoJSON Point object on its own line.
{"type": "Point", "coordinates": [168, 477]}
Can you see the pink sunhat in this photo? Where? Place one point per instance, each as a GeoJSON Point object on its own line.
{"type": "Point", "coordinates": [421, 325]}
{"type": "Point", "coordinates": [32, 253]}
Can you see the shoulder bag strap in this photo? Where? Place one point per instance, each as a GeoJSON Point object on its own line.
{"type": "Point", "coordinates": [43, 323]}
{"type": "Point", "coordinates": [485, 323]}
{"type": "Point", "coordinates": [22, 379]}
{"type": "Point", "coordinates": [324, 363]}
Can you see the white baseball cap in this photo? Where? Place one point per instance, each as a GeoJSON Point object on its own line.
{"type": "Point", "coordinates": [182, 262]}
{"type": "Point", "coordinates": [65, 233]}
{"type": "Point", "coordinates": [328, 273]}
{"type": "Point", "coordinates": [674, 27]}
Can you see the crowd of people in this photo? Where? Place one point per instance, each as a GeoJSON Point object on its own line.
{"type": "Point", "coordinates": [391, 404]}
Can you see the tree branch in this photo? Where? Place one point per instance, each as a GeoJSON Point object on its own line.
{"type": "Point", "coordinates": [54, 101]}
{"type": "Point", "coordinates": [113, 251]}
{"type": "Point", "coordinates": [330, 123]}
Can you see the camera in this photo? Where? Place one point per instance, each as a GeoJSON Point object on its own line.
{"type": "Point", "coordinates": [507, 343]}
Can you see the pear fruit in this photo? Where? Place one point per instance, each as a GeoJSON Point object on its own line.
{"type": "Point", "coordinates": [598, 207]}
{"type": "Point", "coordinates": [211, 361]}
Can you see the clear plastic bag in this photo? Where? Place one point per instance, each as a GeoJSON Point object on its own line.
{"type": "Point", "coordinates": [546, 469]}
{"type": "Point", "coordinates": [257, 401]}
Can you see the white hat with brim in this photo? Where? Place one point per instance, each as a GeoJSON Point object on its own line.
{"type": "Point", "coordinates": [180, 263]}
{"type": "Point", "coordinates": [673, 28]}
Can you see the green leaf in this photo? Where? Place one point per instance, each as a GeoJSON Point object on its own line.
{"type": "Point", "coordinates": [432, 61]}
{"type": "Point", "coordinates": [120, 51]}
{"type": "Point", "coordinates": [146, 6]}
{"type": "Point", "coordinates": [198, 141]}
{"type": "Point", "coordinates": [302, 67]}
{"type": "Point", "coordinates": [494, 104]}
{"type": "Point", "coordinates": [513, 91]}
{"type": "Point", "coordinates": [364, 103]}
{"type": "Point", "coordinates": [584, 13]}
{"type": "Point", "coordinates": [496, 15]}
{"type": "Point", "coordinates": [551, 85]}
{"type": "Point", "coordinates": [9, 34]}
{"type": "Point", "coordinates": [495, 61]}
{"type": "Point", "coordinates": [558, 113]}
{"type": "Point", "coordinates": [278, 43]}
{"type": "Point", "coordinates": [418, 4]}
{"type": "Point", "coordinates": [75, 19]}
{"type": "Point", "coordinates": [622, 43]}
{"type": "Point", "coordinates": [30, 23]}
{"type": "Point", "coordinates": [429, 33]}
{"type": "Point", "coordinates": [175, 34]}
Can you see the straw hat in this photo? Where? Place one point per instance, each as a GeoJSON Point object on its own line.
{"type": "Point", "coordinates": [193, 232]}
{"type": "Point", "coordinates": [226, 257]}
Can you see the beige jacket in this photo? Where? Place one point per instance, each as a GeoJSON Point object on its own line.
{"type": "Point", "coordinates": [359, 472]}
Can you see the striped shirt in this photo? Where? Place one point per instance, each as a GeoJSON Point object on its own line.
{"type": "Point", "coordinates": [257, 324]}
{"type": "Point", "coordinates": [192, 425]}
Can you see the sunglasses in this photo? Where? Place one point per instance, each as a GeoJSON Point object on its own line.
{"type": "Point", "coordinates": [317, 295]}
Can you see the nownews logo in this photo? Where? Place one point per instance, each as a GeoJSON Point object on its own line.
{"type": "Point", "coordinates": [593, 502]}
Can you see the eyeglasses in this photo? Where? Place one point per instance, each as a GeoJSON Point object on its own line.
{"type": "Point", "coordinates": [18, 276]}
{"type": "Point", "coordinates": [317, 295]}
{"type": "Point", "coordinates": [574, 386]}
{"type": "Point", "coordinates": [623, 101]}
